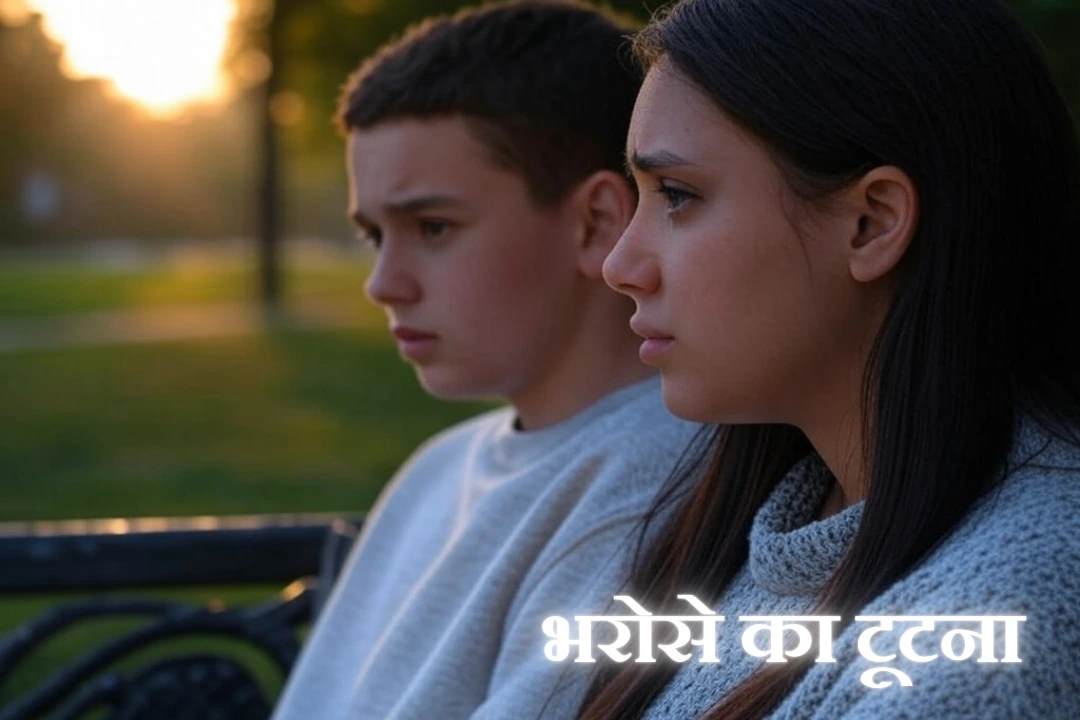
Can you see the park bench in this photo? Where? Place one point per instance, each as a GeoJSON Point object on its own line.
{"type": "Point", "coordinates": [303, 553]}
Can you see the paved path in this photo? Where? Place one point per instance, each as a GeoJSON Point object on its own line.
{"type": "Point", "coordinates": [186, 322]}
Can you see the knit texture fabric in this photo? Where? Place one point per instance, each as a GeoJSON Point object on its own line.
{"type": "Point", "coordinates": [1017, 552]}
{"type": "Point", "coordinates": [483, 533]}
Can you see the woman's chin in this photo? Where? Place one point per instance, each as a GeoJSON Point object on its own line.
{"type": "Point", "coordinates": [697, 402]}
{"type": "Point", "coordinates": [688, 401]}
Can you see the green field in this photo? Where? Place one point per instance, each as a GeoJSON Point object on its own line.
{"type": "Point", "coordinates": [282, 422]}
{"type": "Point", "coordinates": [287, 421]}
{"type": "Point", "coordinates": [28, 291]}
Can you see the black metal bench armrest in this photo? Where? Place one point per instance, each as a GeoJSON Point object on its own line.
{"type": "Point", "coordinates": [143, 553]}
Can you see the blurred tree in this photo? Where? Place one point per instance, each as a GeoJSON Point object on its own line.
{"type": "Point", "coordinates": [313, 46]}
{"type": "Point", "coordinates": [119, 173]}
{"type": "Point", "coordinates": [28, 102]}
{"type": "Point", "coordinates": [112, 171]}
{"type": "Point", "coordinates": [1056, 23]}
{"type": "Point", "coordinates": [322, 42]}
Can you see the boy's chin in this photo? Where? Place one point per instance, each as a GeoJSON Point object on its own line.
{"type": "Point", "coordinates": [449, 386]}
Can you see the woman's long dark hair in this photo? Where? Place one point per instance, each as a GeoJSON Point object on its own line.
{"type": "Point", "coordinates": [982, 325]}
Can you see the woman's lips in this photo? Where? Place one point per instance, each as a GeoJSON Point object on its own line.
{"type": "Point", "coordinates": [414, 344]}
{"type": "Point", "coordinates": [656, 341]}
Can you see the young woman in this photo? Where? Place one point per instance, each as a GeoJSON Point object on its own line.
{"type": "Point", "coordinates": [857, 247]}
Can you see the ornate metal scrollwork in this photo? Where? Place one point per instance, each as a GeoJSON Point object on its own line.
{"type": "Point", "coordinates": [186, 685]}
{"type": "Point", "coordinates": [200, 686]}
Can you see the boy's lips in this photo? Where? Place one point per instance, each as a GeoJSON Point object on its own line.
{"type": "Point", "coordinates": [414, 344]}
{"type": "Point", "coordinates": [407, 334]}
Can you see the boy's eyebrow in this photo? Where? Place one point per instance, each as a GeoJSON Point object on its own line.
{"type": "Point", "coordinates": [360, 220]}
{"type": "Point", "coordinates": [651, 162]}
{"type": "Point", "coordinates": [421, 202]}
{"type": "Point", "coordinates": [406, 206]}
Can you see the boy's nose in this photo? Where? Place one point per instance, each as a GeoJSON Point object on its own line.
{"type": "Point", "coordinates": [390, 284]}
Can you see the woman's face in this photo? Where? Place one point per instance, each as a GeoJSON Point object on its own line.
{"type": "Point", "coordinates": [742, 293]}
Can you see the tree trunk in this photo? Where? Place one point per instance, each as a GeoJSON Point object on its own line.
{"type": "Point", "coordinates": [269, 192]}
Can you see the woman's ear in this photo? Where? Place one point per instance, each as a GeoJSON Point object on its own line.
{"type": "Point", "coordinates": [606, 203]}
{"type": "Point", "coordinates": [886, 207]}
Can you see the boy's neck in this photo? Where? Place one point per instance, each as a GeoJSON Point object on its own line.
{"type": "Point", "coordinates": [601, 359]}
{"type": "Point", "coordinates": [555, 409]}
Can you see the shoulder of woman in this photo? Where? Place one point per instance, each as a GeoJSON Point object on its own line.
{"type": "Point", "coordinates": [1016, 553]}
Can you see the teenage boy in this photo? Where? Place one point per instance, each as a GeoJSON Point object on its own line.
{"type": "Point", "coordinates": [485, 156]}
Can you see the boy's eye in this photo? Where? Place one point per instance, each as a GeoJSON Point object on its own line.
{"type": "Point", "coordinates": [676, 197]}
{"type": "Point", "coordinates": [433, 228]}
{"type": "Point", "coordinates": [370, 237]}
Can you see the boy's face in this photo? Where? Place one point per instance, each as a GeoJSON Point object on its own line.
{"type": "Point", "coordinates": [478, 282]}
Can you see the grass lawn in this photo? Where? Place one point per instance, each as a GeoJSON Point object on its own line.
{"type": "Point", "coordinates": [28, 291]}
{"type": "Point", "coordinates": [284, 422]}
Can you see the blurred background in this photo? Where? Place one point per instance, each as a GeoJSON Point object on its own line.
{"type": "Point", "coordinates": [182, 324]}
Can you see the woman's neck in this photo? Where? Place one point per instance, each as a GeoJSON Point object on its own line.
{"type": "Point", "coordinates": [838, 439]}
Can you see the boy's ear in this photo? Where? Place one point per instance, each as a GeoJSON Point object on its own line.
{"type": "Point", "coordinates": [604, 204]}
{"type": "Point", "coordinates": [885, 214]}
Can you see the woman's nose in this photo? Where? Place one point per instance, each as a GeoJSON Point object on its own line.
{"type": "Point", "coordinates": [629, 269]}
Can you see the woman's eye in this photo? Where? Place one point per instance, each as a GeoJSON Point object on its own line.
{"type": "Point", "coordinates": [433, 228]}
{"type": "Point", "coordinates": [676, 197]}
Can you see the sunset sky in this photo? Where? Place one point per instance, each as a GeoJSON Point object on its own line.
{"type": "Point", "coordinates": [164, 54]}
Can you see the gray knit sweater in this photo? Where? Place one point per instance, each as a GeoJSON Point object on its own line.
{"type": "Point", "coordinates": [1016, 553]}
{"type": "Point", "coordinates": [484, 532]}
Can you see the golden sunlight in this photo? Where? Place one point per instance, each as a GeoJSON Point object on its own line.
{"type": "Point", "coordinates": [163, 54]}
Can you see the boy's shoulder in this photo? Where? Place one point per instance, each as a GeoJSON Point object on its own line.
{"type": "Point", "coordinates": [631, 419]}
{"type": "Point", "coordinates": [460, 435]}
{"type": "Point", "coordinates": [427, 475]}
{"type": "Point", "coordinates": [629, 430]}
{"type": "Point", "coordinates": [635, 420]}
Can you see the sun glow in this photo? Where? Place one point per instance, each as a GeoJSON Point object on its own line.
{"type": "Point", "coordinates": [163, 54]}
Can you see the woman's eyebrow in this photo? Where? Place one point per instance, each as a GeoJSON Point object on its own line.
{"type": "Point", "coordinates": [651, 162]}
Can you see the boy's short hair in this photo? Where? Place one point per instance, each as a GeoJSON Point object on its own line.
{"type": "Point", "coordinates": [548, 86]}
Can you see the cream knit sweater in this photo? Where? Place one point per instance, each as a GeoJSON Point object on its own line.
{"type": "Point", "coordinates": [483, 533]}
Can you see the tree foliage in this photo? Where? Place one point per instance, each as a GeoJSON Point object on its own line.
{"type": "Point", "coordinates": [123, 174]}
